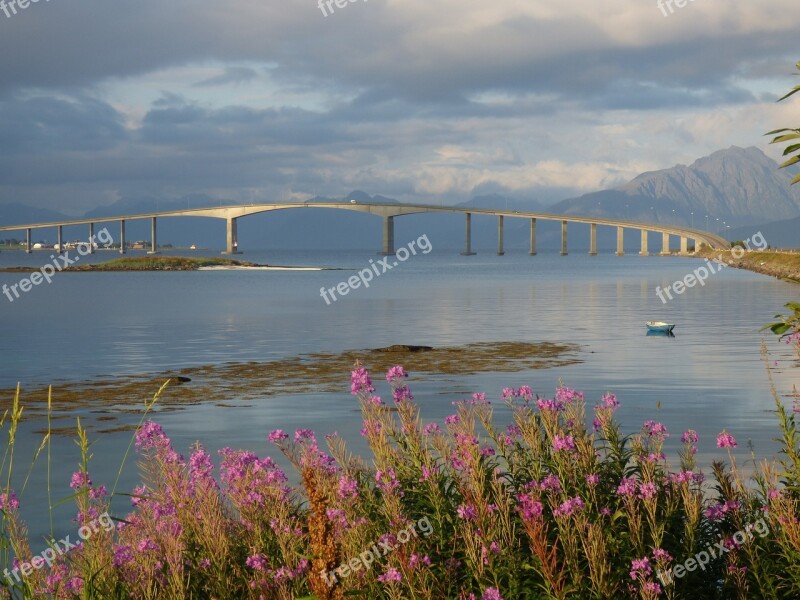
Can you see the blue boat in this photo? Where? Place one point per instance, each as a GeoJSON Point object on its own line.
{"type": "Point", "coordinates": [660, 326]}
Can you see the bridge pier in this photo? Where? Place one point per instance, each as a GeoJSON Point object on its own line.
{"type": "Point", "coordinates": [593, 239]}
{"type": "Point", "coordinates": [468, 237]}
{"type": "Point", "coordinates": [28, 240]}
{"type": "Point", "coordinates": [684, 246]}
{"type": "Point", "coordinates": [122, 237]}
{"type": "Point", "coordinates": [664, 244]}
{"type": "Point", "coordinates": [60, 240]}
{"type": "Point", "coordinates": [153, 240]}
{"type": "Point", "coordinates": [620, 241]}
{"type": "Point", "coordinates": [644, 251]}
{"type": "Point", "coordinates": [232, 246]}
{"type": "Point", "coordinates": [388, 237]}
{"type": "Point", "coordinates": [91, 238]}
{"type": "Point", "coordinates": [563, 238]}
{"type": "Point", "coordinates": [533, 237]}
{"type": "Point", "coordinates": [500, 251]}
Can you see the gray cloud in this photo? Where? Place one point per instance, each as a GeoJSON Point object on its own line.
{"type": "Point", "coordinates": [230, 76]}
{"type": "Point", "coordinates": [422, 99]}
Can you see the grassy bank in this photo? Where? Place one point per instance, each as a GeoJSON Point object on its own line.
{"type": "Point", "coordinates": [149, 263]}
{"type": "Point", "coordinates": [783, 265]}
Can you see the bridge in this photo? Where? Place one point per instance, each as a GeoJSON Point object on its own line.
{"type": "Point", "coordinates": [388, 212]}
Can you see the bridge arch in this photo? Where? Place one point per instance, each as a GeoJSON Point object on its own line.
{"type": "Point", "coordinates": [388, 212]}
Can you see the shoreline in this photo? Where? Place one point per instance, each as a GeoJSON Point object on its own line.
{"type": "Point", "coordinates": [167, 263]}
{"type": "Point", "coordinates": [781, 265]}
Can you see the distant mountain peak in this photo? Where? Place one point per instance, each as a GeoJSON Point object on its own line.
{"type": "Point", "coordinates": [736, 185]}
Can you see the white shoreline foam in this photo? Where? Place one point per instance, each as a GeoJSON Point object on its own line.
{"type": "Point", "coordinates": [243, 268]}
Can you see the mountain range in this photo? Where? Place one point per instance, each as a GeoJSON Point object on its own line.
{"type": "Point", "coordinates": [734, 191]}
{"type": "Point", "coordinates": [738, 186]}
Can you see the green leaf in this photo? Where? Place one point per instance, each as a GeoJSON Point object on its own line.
{"type": "Point", "coordinates": [796, 179]}
{"type": "Point", "coordinates": [792, 93]}
{"type": "Point", "coordinates": [790, 162]}
{"type": "Point", "coordinates": [780, 328]}
{"type": "Point", "coordinates": [791, 149]}
{"type": "Point", "coordinates": [778, 131]}
{"type": "Point", "coordinates": [786, 138]}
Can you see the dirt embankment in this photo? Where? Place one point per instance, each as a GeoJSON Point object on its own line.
{"type": "Point", "coordinates": [780, 264]}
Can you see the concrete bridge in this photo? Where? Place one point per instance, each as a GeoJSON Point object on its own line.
{"type": "Point", "coordinates": [388, 212]}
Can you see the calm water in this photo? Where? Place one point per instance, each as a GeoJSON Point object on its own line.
{"type": "Point", "coordinates": [709, 377]}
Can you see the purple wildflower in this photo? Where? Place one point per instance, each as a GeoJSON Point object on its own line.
{"type": "Point", "coordinates": [75, 585]}
{"type": "Point", "coordinates": [304, 434]}
{"type": "Point", "coordinates": [640, 568]}
{"type": "Point", "coordinates": [569, 506]}
{"type": "Point", "coordinates": [401, 394]}
{"type": "Point", "coordinates": [122, 555]}
{"type": "Point", "coordinates": [647, 490]}
{"type": "Point", "coordinates": [79, 480]}
{"type": "Point", "coordinates": [452, 420]}
{"type": "Point", "coordinates": [256, 562]}
{"type": "Point", "coordinates": [661, 554]}
{"type": "Point", "coordinates": [690, 437]}
{"type": "Point", "coordinates": [467, 512]}
{"type": "Point", "coordinates": [550, 405]}
{"type": "Point", "coordinates": [508, 393]}
{"type": "Point", "coordinates": [563, 443]}
{"type": "Point", "coordinates": [418, 560]}
{"type": "Point", "coordinates": [610, 401]}
{"type": "Point", "coordinates": [360, 382]}
{"type": "Point", "coordinates": [277, 436]}
{"type": "Point", "coordinates": [479, 399]}
{"type": "Point", "coordinates": [386, 480]}
{"type": "Point", "coordinates": [146, 544]}
{"type": "Point", "coordinates": [656, 430]}
{"type": "Point", "coordinates": [491, 594]}
{"type": "Point", "coordinates": [9, 501]}
{"type": "Point", "coordinates": [627, 487]}
{"type": "Point", "coordinates": [348, 488]}
{"type": "Point", "coordinates": [551, 483]}
{"type": "Point", "coordinates": [396, 372]}
{"type": "Point", "coordinates": [390, 575]}
{"type": "Point", "coordinates": [151, 435]}
{"type": "Point", "coordinates": [530, 507]}
{"type": "Point", "coordinates": [726, 440]}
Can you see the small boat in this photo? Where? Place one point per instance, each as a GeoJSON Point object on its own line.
{"type": "Point", "coordinates": [660, 326]}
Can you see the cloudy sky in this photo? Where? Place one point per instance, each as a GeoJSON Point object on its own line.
{"type": "Point", "coordinates": [421, 100]}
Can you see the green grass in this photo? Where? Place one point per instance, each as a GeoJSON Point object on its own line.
{"type": "Point", "coordinates": [784, 265]}
{"type": "Point", "coordinates": [161, 263]}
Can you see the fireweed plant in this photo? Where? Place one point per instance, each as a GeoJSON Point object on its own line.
{"type": "Point", "coordinates": [558, 504]}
